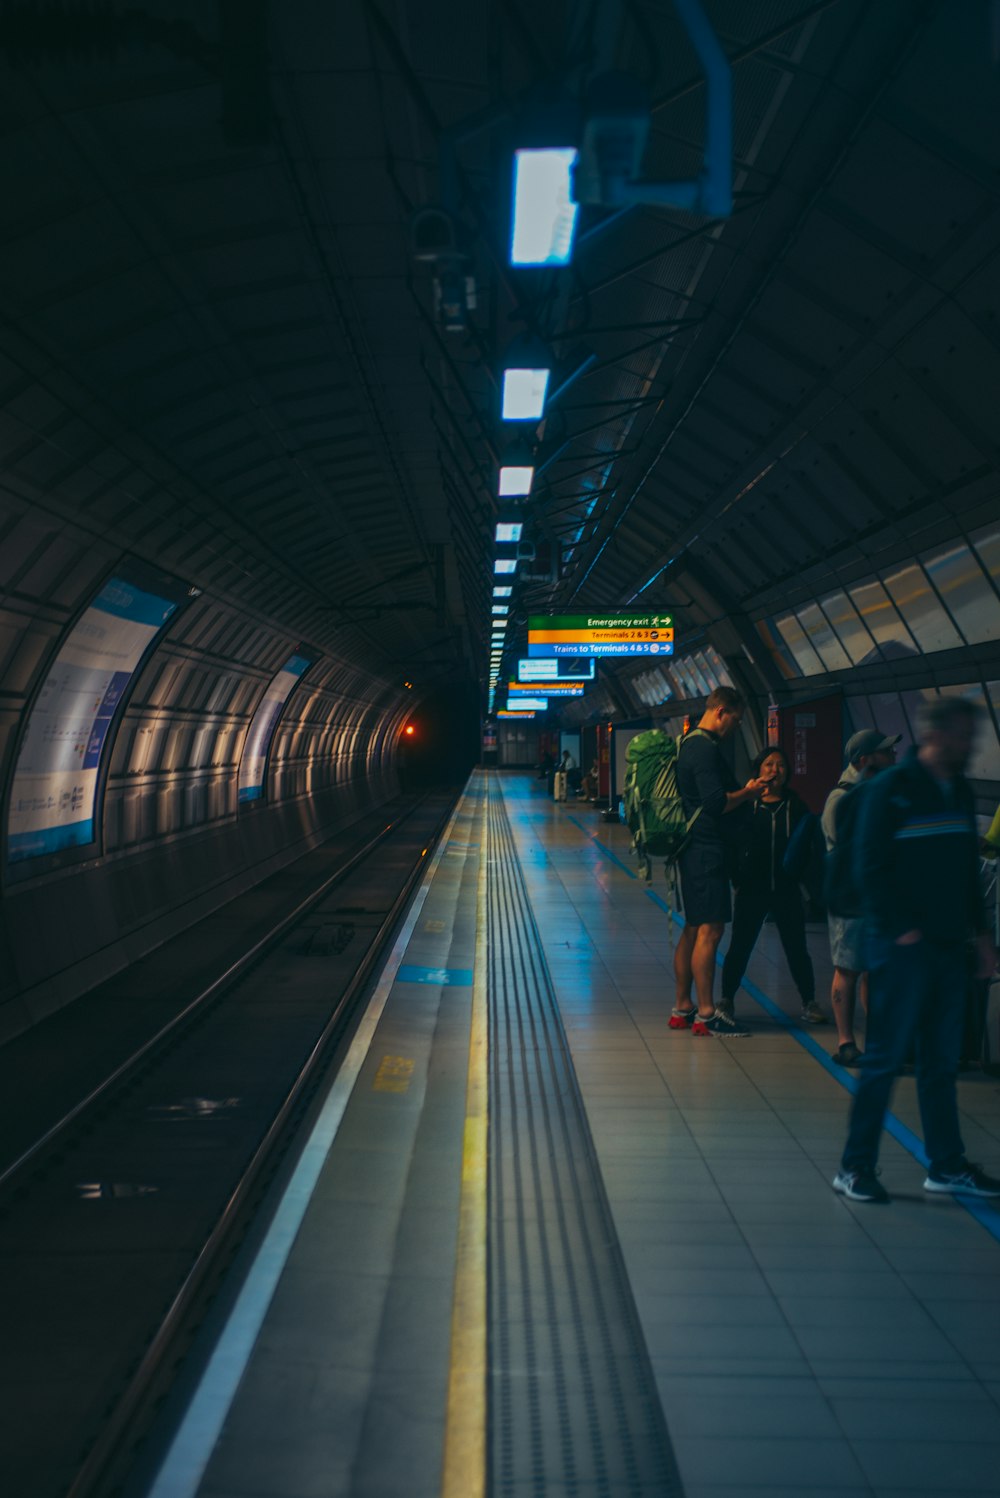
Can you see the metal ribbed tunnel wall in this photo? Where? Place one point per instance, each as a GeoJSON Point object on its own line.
{"type": "Point", "coordinates": [173, 840]}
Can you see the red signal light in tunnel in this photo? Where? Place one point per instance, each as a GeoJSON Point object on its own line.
{"type": "Point", "coordinates": [409, 731]}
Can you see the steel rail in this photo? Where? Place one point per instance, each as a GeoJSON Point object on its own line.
{"type": "Point", "coordinates": [219, 985]}
{"type": "Point", "coordinates": [108, 1446]}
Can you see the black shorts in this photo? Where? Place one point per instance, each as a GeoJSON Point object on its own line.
{"type": "Point", "coordinates": [705, 885]}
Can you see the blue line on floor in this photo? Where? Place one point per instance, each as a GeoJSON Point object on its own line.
{"type": "Point", "coordinates": [601, 848]}
{"type": "Point", "coordinates": [984, 1213]}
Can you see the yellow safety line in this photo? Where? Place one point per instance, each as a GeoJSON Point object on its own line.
{"type": "Point", "coordinates": [464, 1474]}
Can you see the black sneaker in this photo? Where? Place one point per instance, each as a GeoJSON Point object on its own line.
{"type": "Point", "coordinates": [721, 1024]}
{"type": "Point", "coordinates": [846, 1054]}
{"type": "Point", "coordinates": [968, 1180]}
{"type": "Point", "coordinates": [860, 1186]}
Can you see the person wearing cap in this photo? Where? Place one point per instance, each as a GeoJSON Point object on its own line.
{"type": "Point", "coordinates": [867, 752]}
{"type": "Point", "coordinates": [917, 870]}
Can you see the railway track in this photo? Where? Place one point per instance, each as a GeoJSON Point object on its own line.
{"type": "Point", "coordinates": [118, 1220]}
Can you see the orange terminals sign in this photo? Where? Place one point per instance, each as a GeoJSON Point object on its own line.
{"type": "Point", "coordinates": [600, 634]}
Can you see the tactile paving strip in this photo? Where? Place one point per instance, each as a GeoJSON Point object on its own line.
{"type": "Point", "coordinates": [573, 1402]}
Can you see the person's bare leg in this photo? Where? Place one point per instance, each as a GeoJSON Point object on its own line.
{"type": "Point", "coordinates": [683, 976]}
{"type": "Point", "coordinates": [703, 964]}
{"type": "Point", "coordinates": [842, 994]}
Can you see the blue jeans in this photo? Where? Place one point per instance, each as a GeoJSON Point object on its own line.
{"type": "Point", "coordinates": [916, 997]}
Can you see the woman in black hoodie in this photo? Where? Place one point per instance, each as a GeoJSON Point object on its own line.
{"type": "Point", "coordinates": [762, 885]}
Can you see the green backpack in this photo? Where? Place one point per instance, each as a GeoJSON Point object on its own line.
{"type": "Point", "coordinates": [654, 812]}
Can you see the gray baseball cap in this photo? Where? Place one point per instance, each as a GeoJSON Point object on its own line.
{"type": "Point", "coordinates": [869, 741]}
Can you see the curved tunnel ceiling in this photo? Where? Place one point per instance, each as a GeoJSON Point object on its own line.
{"type": "Point", "coordinates": [220, 356]}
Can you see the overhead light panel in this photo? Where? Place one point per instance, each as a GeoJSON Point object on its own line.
{"type": "Point", "coordinates": [501, 608]}
{"type": "Point", "coordinates": [544, 212]}
{"type": "Point", "coordinates": [515, 481]}
{"type": "Point", "coordinates": [524, 392]}
{"type": "Point", "coordinates": [509, 530]}
{"type": "Point", "coordinates": [504, 565]}
{"type": "Point", "coordinates": [502, 590]}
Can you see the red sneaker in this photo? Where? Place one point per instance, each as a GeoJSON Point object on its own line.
{"type": "Point", "coordinates": [682, 1019]}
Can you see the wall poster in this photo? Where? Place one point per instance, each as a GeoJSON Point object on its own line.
{"type": "Point", "coordinates": [54, 793]}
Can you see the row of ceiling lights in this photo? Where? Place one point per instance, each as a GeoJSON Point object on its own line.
{"type": "Point", "coordinates": [551, 180]}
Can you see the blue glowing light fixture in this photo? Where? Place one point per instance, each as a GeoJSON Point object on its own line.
{"type": "Point", "coordinates": [524, 392]}
{"type": "Point", "coordinates": [515, 481]}
{"type": "Point", "coordinates": [509, 530]}
{"type": "Point", "coordinates": [504, 565]}
{"type": "Point", "coordinates": [502, 590]}
{"type": "Point", "coordinates": [544, 212]}
{"type": "Point", "coordinates": [501, 608]}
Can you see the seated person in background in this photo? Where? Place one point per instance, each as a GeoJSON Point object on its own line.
{"type": "Point", "coordinates": [589, 783]}
{"type": "Point", "coordinates": [763, 887]}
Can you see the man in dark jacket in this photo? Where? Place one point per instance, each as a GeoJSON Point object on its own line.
{"type": "Point", "coordinates": [708, 791]}
{"type": "Point", "coordinates": [917, 870]}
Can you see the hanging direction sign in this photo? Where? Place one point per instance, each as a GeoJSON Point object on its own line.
{"type": "Point", "coordinates": [550, 688]}
{"type": "Point", "coordinates": [528, 704]}
{"type": "Point", "coordinates": [569, 668]}
{"type": "Point", "coordinates": [600, 634]}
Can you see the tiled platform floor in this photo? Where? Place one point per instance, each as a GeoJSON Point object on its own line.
{"type": "Point", "coordinates": [800, 1342]}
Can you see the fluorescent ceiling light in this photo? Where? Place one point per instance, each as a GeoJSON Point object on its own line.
{"type": "Point", "coordinates": [524, 392]}
{"type": "Point", "coordinates": [544, 214]}
{"type": "Point", "coordinates": [502, 590]}
{"type": "Point", "coordinates": [501, 608]}
{"type": "Point", "coordinates": [503, 565]}
{"type": "Point", "coordinates": [515, 482]}
{"type": "Point", "coordinates": [509, 530]}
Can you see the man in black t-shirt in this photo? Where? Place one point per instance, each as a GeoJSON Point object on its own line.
{"type": "Point", "coordinates": [707, 787]}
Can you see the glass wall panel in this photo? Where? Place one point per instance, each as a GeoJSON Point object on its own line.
{"type": "Point", "coordinates": [705, 670]}
{"type": "Point", "coordinates": [718, 665]}
{"type": "Point", "coordinates": [860, 715]}
{"type": "Point", "coordinates": [888, 630]}
{"type": "Point", "coordinates": [890, 719]}
{"type": "Point", "coordinates": [782, 656]}
{"type": "Point", "coordinates": [794, 636]}
{"type": "Point", "coordinates": [919, 605]}
{"type": "Point", "coordinates": [987, 544]}
{"type": "Point", "coordinates": [853, 635]}
{"type": "Point", "coordinates": [967, 595]}
{"type": "Point", "coordinates": [702, 687]}
{"type": "Point", "coordinates": [820, 634]}
{"type": "Point", "coordinates": [680, 677]}
{"type": "Point", "coordinates": [682, 670]}
{"type": "Point", "coordinates": [985, 761]}
{"type": "Point", "coordinates": [912, 702]}
{"type": "Point", "coordinates": [993, 697]}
